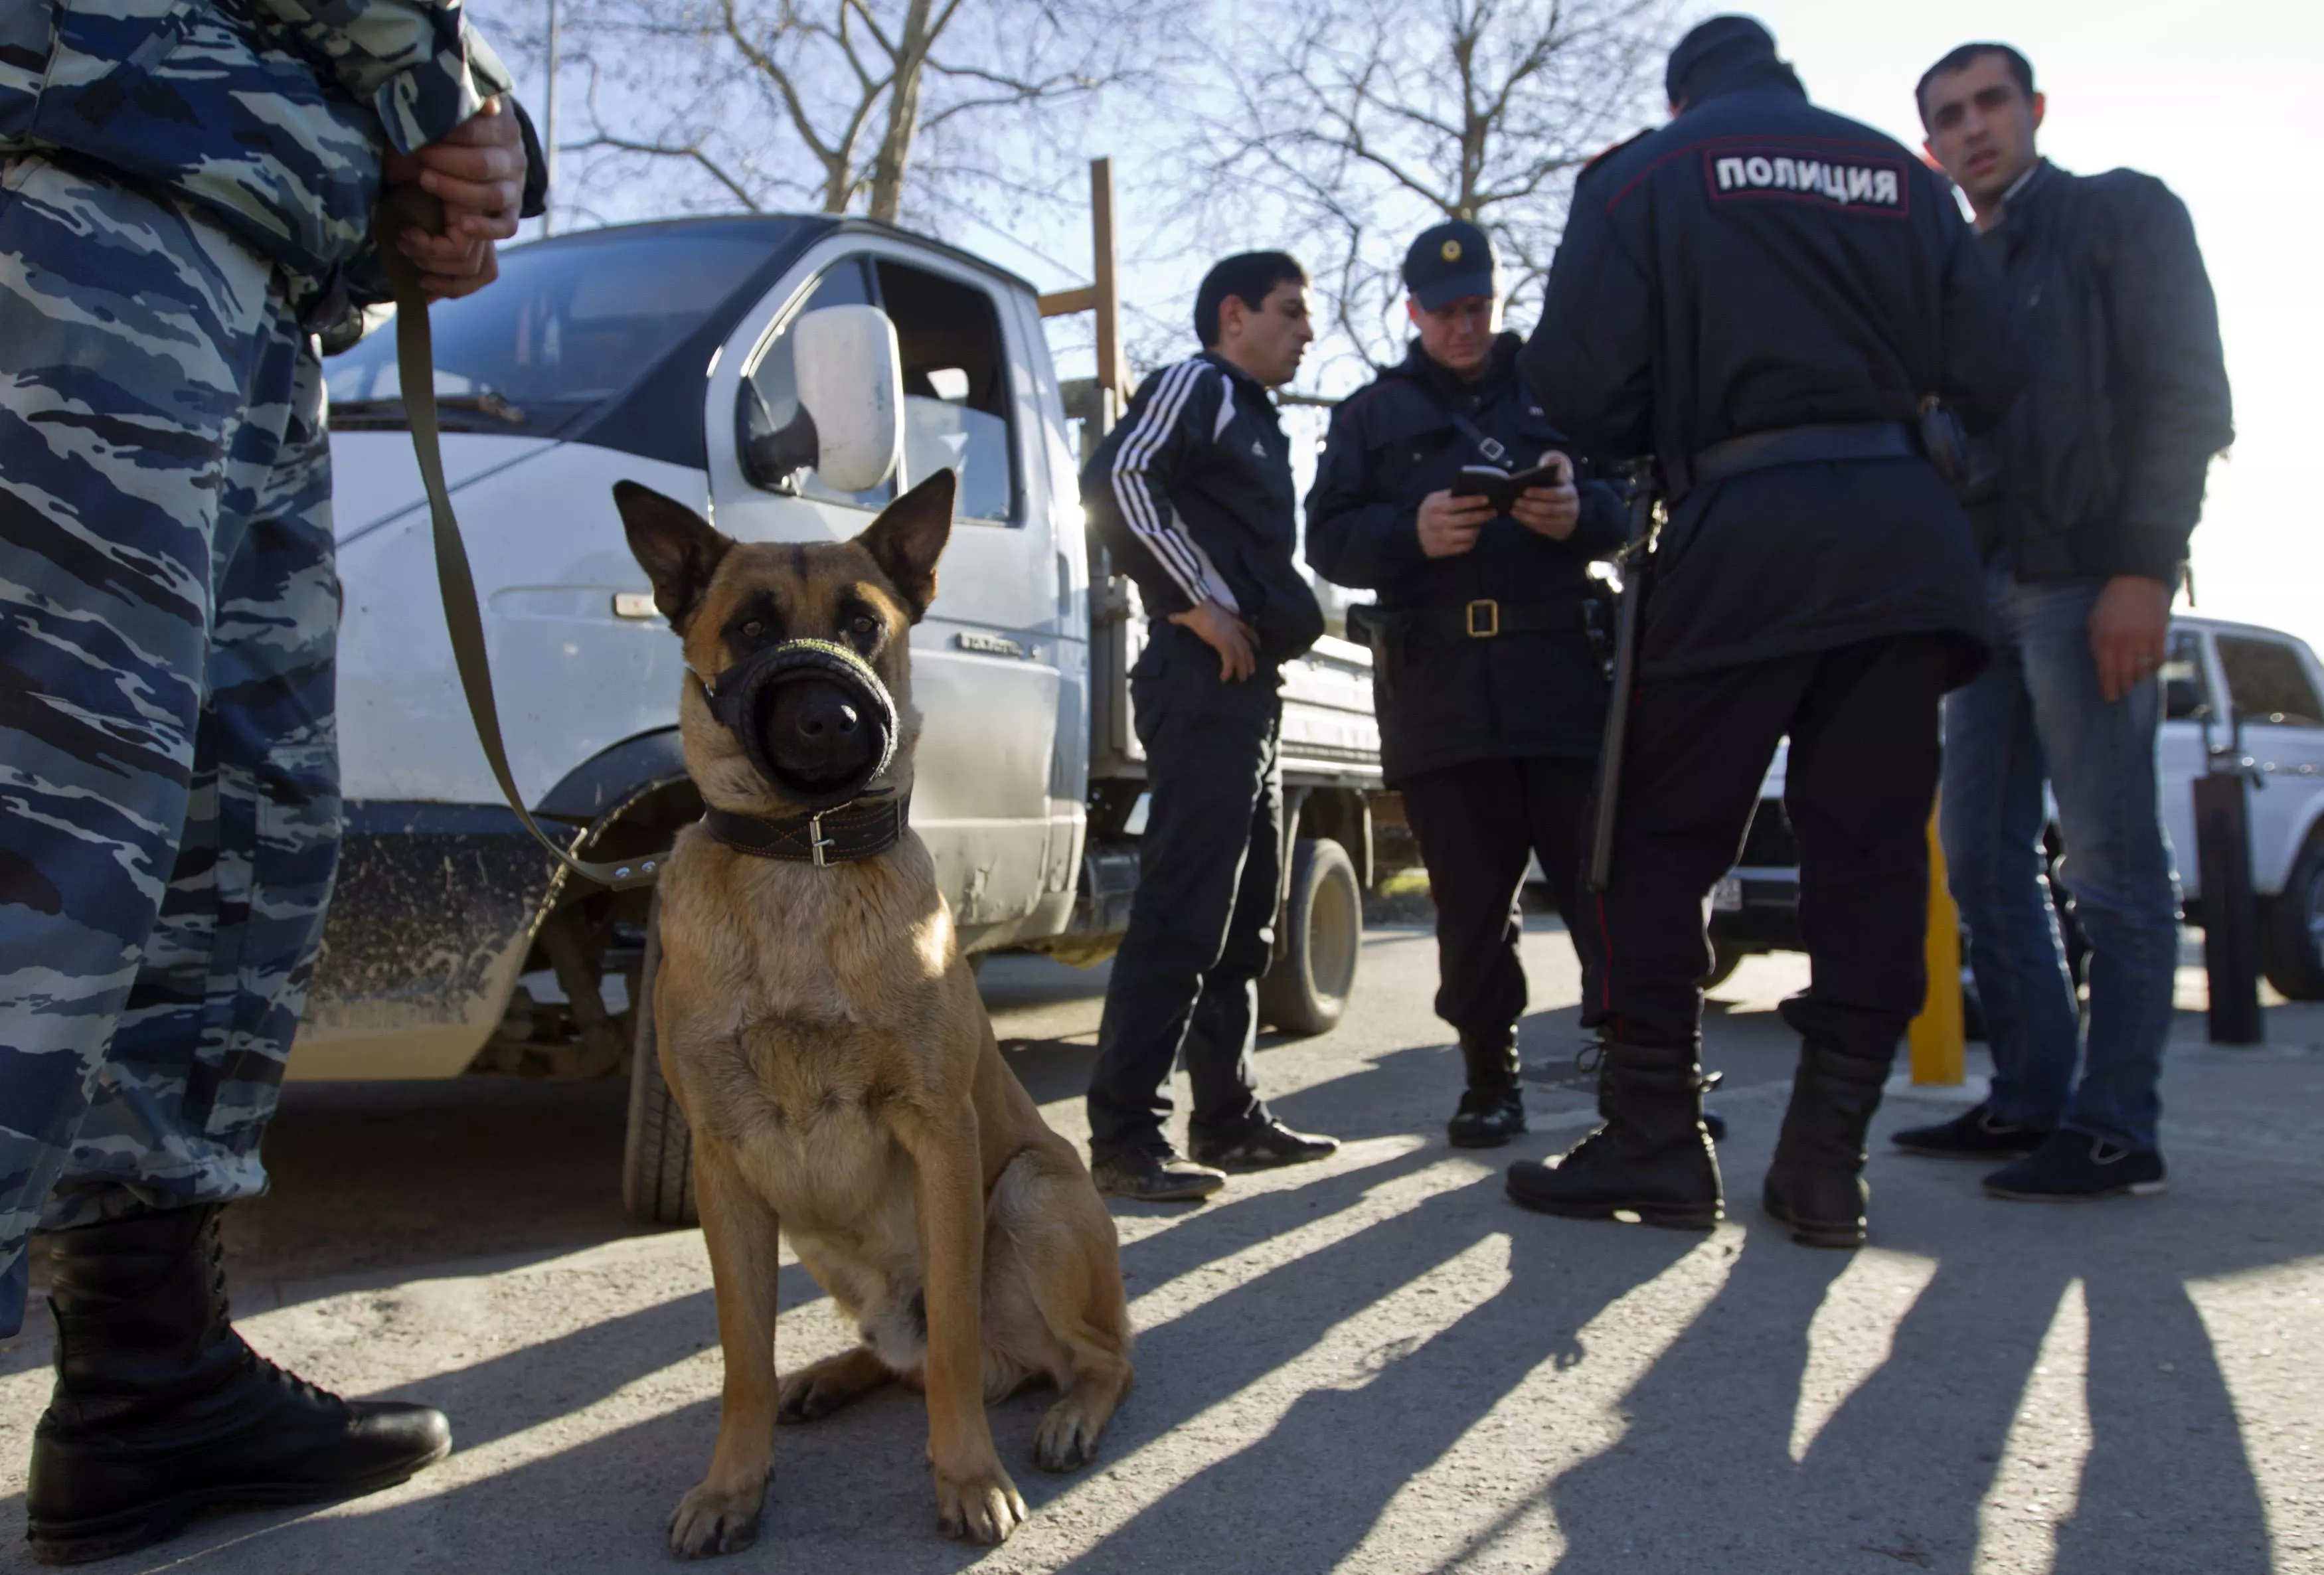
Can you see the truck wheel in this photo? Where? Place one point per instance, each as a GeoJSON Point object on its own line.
{"type": "Point", "coordinates": [2293, 937]}
{"type": "Point", "coordinates": [1307, 989]}
{"type": "Point", "coordinates": [658, 1155]}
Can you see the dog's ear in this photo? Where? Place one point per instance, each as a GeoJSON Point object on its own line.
{"type": "Point", "coordinates": [678, 549]}
{"type": "Point", "coordinates": [909, 535]}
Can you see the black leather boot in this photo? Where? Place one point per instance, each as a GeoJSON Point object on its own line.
{"type": "Point", "coordinates": [160, 1411]}
{"type": "Point", "coordinates": [1815, 1183]}
{"type": "Point", "coordinates": [1492, 1109]}
{"type": "Point", "coordinates": [1651, 1162]}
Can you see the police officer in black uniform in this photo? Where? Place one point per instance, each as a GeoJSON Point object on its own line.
{"type": "Point", "coordinates": [1489, 695]}
{"type": "Point", "coordinates": [1763, 295]}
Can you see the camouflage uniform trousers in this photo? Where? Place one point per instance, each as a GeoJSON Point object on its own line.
{"type": "Point", "coordinates": [169, 769]}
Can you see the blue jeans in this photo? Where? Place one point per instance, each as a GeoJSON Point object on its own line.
{"type": "Point", "coordinates": [2037, 713]}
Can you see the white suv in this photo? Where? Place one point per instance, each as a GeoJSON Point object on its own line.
{"type": "Point", "coordinates": [2276, 687]}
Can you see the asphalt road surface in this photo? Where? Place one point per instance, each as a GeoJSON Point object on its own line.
{"type": "Point", "coordinates": [1374, 1364]}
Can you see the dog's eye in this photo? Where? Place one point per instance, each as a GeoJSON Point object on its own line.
{"type": "Point", "coordinates": [862, 625]}
{"type": "Point", "coordinates": [754, 629]}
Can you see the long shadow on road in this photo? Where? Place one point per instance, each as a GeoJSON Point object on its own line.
{"type": "Point", "coordinates": [1908, 1464]}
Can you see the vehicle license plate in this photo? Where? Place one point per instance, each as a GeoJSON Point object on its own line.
{"type": "Point", "coordinates": [1727, 896]}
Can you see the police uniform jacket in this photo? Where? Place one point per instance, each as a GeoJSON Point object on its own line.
{"type": "Point", "coordinates": [2100, 465]}
{"type": "Point", "coordinates": [1482, 656]}
{"type": "Point", "coordinates": [1756, 265]}
{"type": "Point", "coordinates": [270, 115]}
{"type": "Point", "coordinates": [1192, 493]}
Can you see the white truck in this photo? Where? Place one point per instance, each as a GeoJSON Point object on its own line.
{"type": "Point", "coordinates": [664, 352]}
{"type": "Point", "coordinates": [2218, 674]}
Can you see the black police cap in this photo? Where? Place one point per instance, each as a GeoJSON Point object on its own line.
{"type": "Point", "coordinates": [1716, 46]}
{"type": "Point", "coordinates": [1449, 262]}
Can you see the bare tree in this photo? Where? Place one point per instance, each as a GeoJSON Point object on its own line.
{"type": "Point", "coordinates": [1361, 122]}
{"type": "Point", "coordinates": [829, 104]}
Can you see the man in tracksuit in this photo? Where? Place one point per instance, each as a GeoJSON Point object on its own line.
{"type": "Point", "coordinates": [1489, 693]}
{"type": "Point", "coordinates": [1192, 495]}
{"type": "Point", "coordinates": [1762, 294]}
{"type": "Point", "coordinates": [2091, 489]}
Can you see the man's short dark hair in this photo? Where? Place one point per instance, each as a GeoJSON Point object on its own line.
{"type": "Point", "coordinates": [1961, 60]}
{"type": "Point", "coordinates": [1251, 277]}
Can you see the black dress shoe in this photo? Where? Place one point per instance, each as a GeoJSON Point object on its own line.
{"type": "Point", "coordinates": [160, 1411]}
{"type": "Point", "coordinates": [1154, 1176]}
{"type": "Point", "coordinates": [1486, 1118]}
{"type": "Point", "coordinates": [2074, 1167]}
{"type": "Point", "coordinates": [1264, 1145]}
{"type": "Point", "coordinates": [1977, 1134]}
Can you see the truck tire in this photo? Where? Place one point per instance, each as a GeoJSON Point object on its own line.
{"type": "Point", "coordinates": [658, 1153]}
{"type": "Point", "coordinates": [1323, 922]}
{"type": "Point", "coordinates": [2292, 938]}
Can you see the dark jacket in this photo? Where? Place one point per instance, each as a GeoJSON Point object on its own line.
{"type": "Point", "coordinates": [1758, 264]}
{"type": "Point", "coordinates": [1444, 697]}
{"type": "Point", "coordinates": [2101, 463]}
{"type": "Point", "coordinates": [1192, 495]}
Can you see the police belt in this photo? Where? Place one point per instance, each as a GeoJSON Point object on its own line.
{"type": "Point", "coordinates": [1794, 446]}
{"type": "Point", "coordinates": [1482, 619]}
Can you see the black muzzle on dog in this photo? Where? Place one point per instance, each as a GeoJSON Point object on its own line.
{"type": "Point", "coordinates": [812, 717]}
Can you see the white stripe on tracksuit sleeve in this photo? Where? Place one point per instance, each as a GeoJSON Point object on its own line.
{"type": "Point", "coordinates": [1159, 528]}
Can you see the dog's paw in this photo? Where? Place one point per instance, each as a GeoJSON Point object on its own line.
{"type": "Point", "coordinates": [716, 1520]}
{"type": "Point", "coordinates": [982, 1508]}
{"type": "Point", "coordinates": [1067, 1439]}
{"type": "Point", "coordinates": [804, 1398]}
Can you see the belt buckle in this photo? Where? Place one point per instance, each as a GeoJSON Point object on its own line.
{"type": "Point", "coordinates": [817, 841]}
{"type": "Point", "coordinates": [1492, 625]}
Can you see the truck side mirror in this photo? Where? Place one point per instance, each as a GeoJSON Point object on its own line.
{"type": "Point", "coordinates": [850, 383]}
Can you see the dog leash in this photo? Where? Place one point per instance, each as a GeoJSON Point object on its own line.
{"type": "Point", "coordinates": [410, 206]}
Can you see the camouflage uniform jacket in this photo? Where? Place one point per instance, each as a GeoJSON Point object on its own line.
{"type": "Point", "coordinates": [272, 114]}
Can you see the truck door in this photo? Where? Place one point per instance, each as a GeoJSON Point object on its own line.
{"type": "Point", "coordinates": [2284, 732]}
{"type": "Point", "coordinates": [985, 661]}
{"type": "Point", "coordinates": [2187, 701]}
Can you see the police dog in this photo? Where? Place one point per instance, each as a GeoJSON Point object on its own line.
{"type": "Point", "coordinates": [823, 1034]}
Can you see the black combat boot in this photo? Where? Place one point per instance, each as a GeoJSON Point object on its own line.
{"type": "Point", "coordinates": [160, 1411]}
{"type": "Point", "coordinates": [1492, 1109]}
{"type": "Point", "coordinates": [1651, 1162]}
{"type": "Point", "coordinates": [1815, 1183]}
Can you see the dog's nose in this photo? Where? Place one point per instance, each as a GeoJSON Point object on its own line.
{"type": "Point", "coordinates": [825, 716]}
{"type": "Point", "coordinates": [818, 734]}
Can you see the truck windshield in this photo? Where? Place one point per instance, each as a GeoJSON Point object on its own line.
{"type": "Point", "coordinates": [568, 324]}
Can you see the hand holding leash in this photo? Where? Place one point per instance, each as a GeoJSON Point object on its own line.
{"type": "Point", "coordinates": [411, 206]}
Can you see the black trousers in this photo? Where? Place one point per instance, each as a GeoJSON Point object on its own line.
{"type": "Point", "coordinates": [1478, 825]}
{"type": "Point", "coordinates": [1202, 927]}
{"type": "Point", "coordinates": [1861, 779]}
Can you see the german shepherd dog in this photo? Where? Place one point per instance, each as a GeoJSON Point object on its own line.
{"type": "Point", "coordinates": [823, 1034]}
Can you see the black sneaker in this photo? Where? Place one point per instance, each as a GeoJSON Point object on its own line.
{"type": "Point", "coordinates": [2074, 1167]}
{"type": "Point", "coordinates": [1156, 1175]}
{"type": "Point", "coordinates": [1977, 1134]}
{"type": "Point", "coordinates": [1264, 1145]}
{"type": "Point", "coordinates": [1486, 1118]}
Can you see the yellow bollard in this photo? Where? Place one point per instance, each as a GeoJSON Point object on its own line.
{"type": "Point", "coordinates": [1939, 1044]}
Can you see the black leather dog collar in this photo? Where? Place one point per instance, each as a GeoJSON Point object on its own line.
{"type": "Point", "coordinates": [861, 830]}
